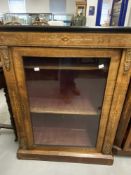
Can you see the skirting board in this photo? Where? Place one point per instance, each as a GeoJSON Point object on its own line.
{"type": "Point", "coordinates": [91, 158]}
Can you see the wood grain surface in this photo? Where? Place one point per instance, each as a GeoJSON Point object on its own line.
{"type": "Point", "coordinates": [14, 46]}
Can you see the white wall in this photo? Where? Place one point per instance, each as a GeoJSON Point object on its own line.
{"type": "Point", "coordinates": [71, 6]}
{"type": "Point", "coordinates": [106, 12]}
{"type": "Point", "coordinates": [40, 6]}
{"type": "Point", "coordinates": [4, 8]}
{"type": "Point", "coordinates": [91, 20]}
{"type": "Point", "coordinates": [37, 6]}
{"type": "Point", "coordinates": [128, 15]}
{"type": "Point", "coordinates": [129, 21]}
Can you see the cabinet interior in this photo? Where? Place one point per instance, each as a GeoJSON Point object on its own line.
{"type": "Point", "coordinates": [65, 99]}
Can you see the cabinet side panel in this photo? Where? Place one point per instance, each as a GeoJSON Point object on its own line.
{"type": "Point", "coordinates": [127, 146]}
{"type": "Point", "coordinates": [125, 118]}
{"type": "Point", "coordinates": [117, 103]}
{"type": "Point", "coordinates": [6, 56]}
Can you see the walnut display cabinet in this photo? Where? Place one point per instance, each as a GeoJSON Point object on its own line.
{"type": "Point", "coordinates": [67, 88]}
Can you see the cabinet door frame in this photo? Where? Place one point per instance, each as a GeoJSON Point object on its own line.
{"type": "Point", "coordinates": [127, 146]}
{"type": "Point", "coordinates": [124, 120]}
{"type": "Point", "coordinates": [17, 54]}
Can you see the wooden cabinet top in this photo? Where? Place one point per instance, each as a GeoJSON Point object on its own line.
{"type": "Point", "coordinates": [65, 29]}
{"type": "Point", "coordinates": [65, 36]}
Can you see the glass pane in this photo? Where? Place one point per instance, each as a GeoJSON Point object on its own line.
{"type": "Point", "coordinates": [65, 97]}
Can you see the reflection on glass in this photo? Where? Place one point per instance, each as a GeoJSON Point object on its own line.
{"type": "Point", "coordinates": [65, 97]}
{"type": "Point", "coordinates": [25, 18]}
{"type": "Point", "coordinates": [106, 12]}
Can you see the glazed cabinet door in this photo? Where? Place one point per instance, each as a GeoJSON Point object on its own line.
{"type": "Point", "coordinates": [65, 96]}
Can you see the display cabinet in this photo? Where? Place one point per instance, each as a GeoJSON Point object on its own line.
{"type": "Point", "coordinates": [33, 18]}
{"type": "Point", "coordinates": [67, 88]}
{"type": "Point", "coordinates": [66, 18]}
{"type": "Point", "coordinates": [25, 18]}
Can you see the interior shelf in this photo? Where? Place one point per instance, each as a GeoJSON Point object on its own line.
{"type": "Point", "coordinates": [65, 99]}
{"type": "Point", "coordinates": [45, 97]}
{"type": "Point", "coordinates": [58, 106]}
{"type": "Point", "coordinates": [62, 64]}
{"type": "Point", "coordinates": [73, 131]}
{"type": "Point", "coordinates": [54, 67]}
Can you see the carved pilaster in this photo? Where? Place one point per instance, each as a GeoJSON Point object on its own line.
{"type": "Point", "coordinates": [4, 55]}
{"type": "Point", "coordinates": [127, 63]}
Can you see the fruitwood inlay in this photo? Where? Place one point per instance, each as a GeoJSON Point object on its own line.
{"type": "Point", "coordinates": [54, 39]}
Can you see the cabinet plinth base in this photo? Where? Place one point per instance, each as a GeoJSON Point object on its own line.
{"type": "Point", "coordinates": [119, 152]}
{"type": "Point", "coordinates": [74, 157]}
